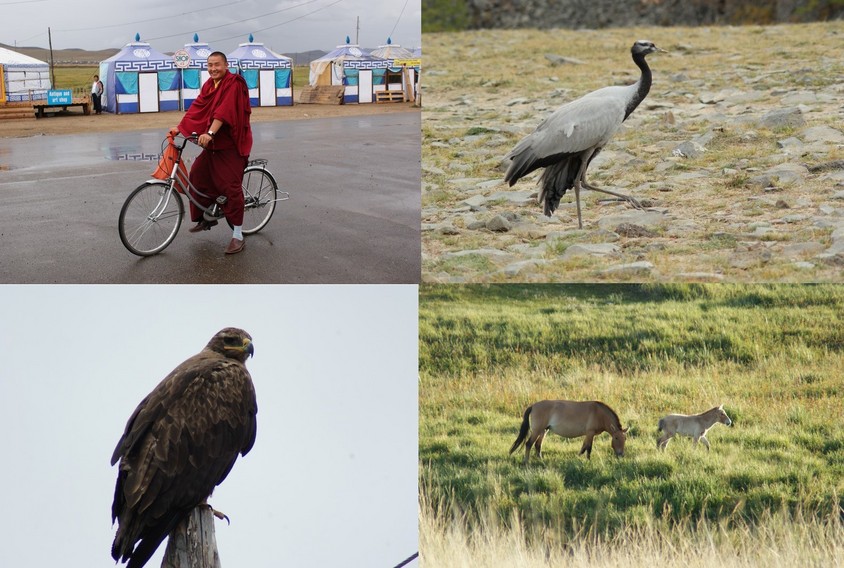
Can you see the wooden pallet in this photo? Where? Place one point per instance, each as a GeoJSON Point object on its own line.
{"type": "Point", "coordinates": [322, 95]}
{"type": "Point", "coordinates": [389, 96]}
{"type": "Point", "coordinates": [17, 111]}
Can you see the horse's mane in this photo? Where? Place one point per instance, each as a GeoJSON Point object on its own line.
{"type": "Point", "coordinates": [611, 411]}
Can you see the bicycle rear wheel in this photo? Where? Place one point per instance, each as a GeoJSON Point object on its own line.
{"type": "Point", "coordinates": [260, 194]}
{"type": "Point", "coordinates": [150, 218]}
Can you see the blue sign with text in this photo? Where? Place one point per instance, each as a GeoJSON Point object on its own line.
{"type": "Point", "coordinates": [59, 97]}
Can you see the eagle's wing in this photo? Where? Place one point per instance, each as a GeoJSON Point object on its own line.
{"type": "Point", "coordinates": [181, 441]}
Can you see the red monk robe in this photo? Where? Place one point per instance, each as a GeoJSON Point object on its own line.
{"type": "Point", "coordinates": [218, 170]}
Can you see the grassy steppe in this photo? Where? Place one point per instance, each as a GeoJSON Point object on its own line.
{"type": "Point", "coordinates": [771, 354]}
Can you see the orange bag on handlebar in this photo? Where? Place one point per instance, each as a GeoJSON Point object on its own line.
{"type": "Point", "coordinates": [165, 166]}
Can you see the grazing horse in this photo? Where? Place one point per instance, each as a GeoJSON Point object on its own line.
{"type": "Point", "coordinates": [694, 426]}
{"type": "Point", "coordinates": [569, 419]}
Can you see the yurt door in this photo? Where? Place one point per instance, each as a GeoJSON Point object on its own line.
{"type": "Point", "coordinates": [148, 92]}
{"type": "Point", "coordinates": [266, 84]}
{"type": "Point", "coordinates": [365, 86]}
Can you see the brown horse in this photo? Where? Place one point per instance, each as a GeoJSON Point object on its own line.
{"type": "Point", "coordinates": [569, 419]}
{"type": "Point", "coordinates": [694, 426]}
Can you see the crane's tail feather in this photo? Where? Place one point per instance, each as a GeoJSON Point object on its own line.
{"type": "Point", "coordinates": [555, 180]}
{"type": "Point", "coordinates": [522, 162]}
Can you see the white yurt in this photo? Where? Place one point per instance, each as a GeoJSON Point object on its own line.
{"type": "Point", "coordinates": [22, 78]}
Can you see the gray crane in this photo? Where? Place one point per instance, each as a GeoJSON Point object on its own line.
{"type": "Point", "coordinates": [568, 140]}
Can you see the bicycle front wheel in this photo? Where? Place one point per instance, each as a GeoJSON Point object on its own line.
{"type": "Point", "coordinates": [260, 194]}
{"type": "Point", "coordinates": [150, 218]}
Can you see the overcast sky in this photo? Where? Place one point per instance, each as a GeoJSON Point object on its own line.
{"type": "Point", "coordinates": [331, 480]}
{"type": "Point", "coordinates": [284, 26]}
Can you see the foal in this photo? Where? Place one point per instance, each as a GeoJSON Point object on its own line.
{"type": "Point", "coordinates": [694, 426]}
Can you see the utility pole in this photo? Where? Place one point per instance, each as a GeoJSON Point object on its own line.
{"type": "Point", "coordinates": [357, 32]}
{"type": "Point", "coordinates": [52, 71]}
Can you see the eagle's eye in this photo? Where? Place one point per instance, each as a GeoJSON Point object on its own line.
{"type": "Point", "coordinates": [230, 341]}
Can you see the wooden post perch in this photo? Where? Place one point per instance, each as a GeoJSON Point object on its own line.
{"type": "Point", "coordinates": [192, 543]}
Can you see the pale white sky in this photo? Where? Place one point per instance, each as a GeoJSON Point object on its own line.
{"type": "Point", "coordinates": [332, 479]}
{"type": "Point", "coordinates": [282, 25]}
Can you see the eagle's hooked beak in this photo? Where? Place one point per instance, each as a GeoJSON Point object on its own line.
{"type": "Point", "coordinates": [248, 347]}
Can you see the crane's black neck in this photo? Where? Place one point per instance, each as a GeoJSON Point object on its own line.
{"type": "Point", "coordinates": [643, 85]}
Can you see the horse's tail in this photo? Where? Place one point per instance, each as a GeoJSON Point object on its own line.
{"type": "Point", "coordinates": [661, 424]}
{"type": "Point", "coordinates": [523, 431]}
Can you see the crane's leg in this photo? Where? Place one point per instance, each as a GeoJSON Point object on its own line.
{"type": "Point", "coordinates": [627, 198]}
{"type": "Point", "coordinates": [578, 182]}
{"type": "Point", "coordinates": [577, 200]}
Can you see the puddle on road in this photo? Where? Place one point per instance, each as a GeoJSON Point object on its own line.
{"type": "Point", "coordinates": [134, 157]}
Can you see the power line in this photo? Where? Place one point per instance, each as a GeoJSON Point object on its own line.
{"type": "Point", "coordinates": [285, 22]}
{"type": "Point", "coordinates": [239, 21]}
{"type": "Point", "coordinates": [21, 2]}
{"type": "Point", "coordinates": [399, 18]}
{"type": "Point", "coordinates": [170, 17]}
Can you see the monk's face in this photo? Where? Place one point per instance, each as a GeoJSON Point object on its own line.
{"type": "Point", "coordinates": [217, 67]}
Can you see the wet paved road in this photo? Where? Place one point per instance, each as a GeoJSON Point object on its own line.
{"type": "Point", "coordinates": [353, 214]}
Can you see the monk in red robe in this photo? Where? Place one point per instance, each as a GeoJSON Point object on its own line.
{"type": "Point", "coordinates": [220, 115]}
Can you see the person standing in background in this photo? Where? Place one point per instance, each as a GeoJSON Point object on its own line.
{"type": "Point", "coordinates": [96, 94]}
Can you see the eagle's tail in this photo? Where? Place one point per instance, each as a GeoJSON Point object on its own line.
{"type": "Point", "coordinates": [148, 541]}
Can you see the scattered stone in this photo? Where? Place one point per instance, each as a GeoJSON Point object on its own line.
{"type": "Point", "coordinates": [783, 118]}
{"type": "Point", "coordinates": [781, 204]}
{"type": "Point", "coordinates": [560, 60]}
{"type": "Point", "coordinates": [630, 231]}
{"type": "Point", "coordinates": [827, 166]}
{"type": "Point", "coordinates": [688, 149]}
{"type": "Point", "coordinates": [475, 201]}
{"type": "Point", "coordinates": [796, 250]}
{"type": "Point", "coordinates": [799, 98]}
{"type": "Point", "coordinates": [750, 259]}
{"type": "Point", "coordinates": [638, 268]}
{"type": "Point", "coordinates": [803, 265]}
{"type": "Point", "coordinates": [832, 259]}
{"type": "Point", "coordinates": [701, 276]}
{"type": "Point", "coordinates": [448, 229]}
{"type": "Point", "coordinates": [515, 268]}
{"type": "Point", "coordinates": [514, 197]}
{"type": "Point", "coordinates": [499, 224]}
{"type": "Point", "coordinates": [790, 142]}
{"type": "Point", "coordinates": [518, 101]}
{"type": "Point", "coordinates": [823, 134]}
{"type": "Point", "coordinates": [645, 219]}
{"type": "Point", "coordinates": [492, 254]}
{"type": "Point", "coordinates": [600, 249]}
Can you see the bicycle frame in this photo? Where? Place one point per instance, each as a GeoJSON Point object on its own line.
{"type": "Point", "coordinates": [212, 210]}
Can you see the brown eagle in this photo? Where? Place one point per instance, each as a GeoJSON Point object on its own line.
{"type": "Point", "coordinates": [180, 443]}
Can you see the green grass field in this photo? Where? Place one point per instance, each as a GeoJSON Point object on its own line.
{"type": "Point", "coordinates": [771, 354]}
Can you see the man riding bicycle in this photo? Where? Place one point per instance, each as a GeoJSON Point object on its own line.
{"type": "Point", "coordinates": [221, 115]}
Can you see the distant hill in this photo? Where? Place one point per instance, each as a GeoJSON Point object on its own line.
{"type": "Point", "coordinates": [72, 56]}
{"type": "Point", "coordinates": [75, 56]}
{"type": "Point", "coordinates": [305, 57]}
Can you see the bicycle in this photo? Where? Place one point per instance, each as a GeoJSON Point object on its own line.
{"type": "Point", "coordinates": [152, 214]}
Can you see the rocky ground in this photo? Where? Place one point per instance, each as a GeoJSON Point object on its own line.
{"type": "Point", "coordinates": [737, 153]}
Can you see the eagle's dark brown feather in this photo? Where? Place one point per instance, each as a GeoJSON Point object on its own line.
{"type": "Point", "coordinates": [181, 442]}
